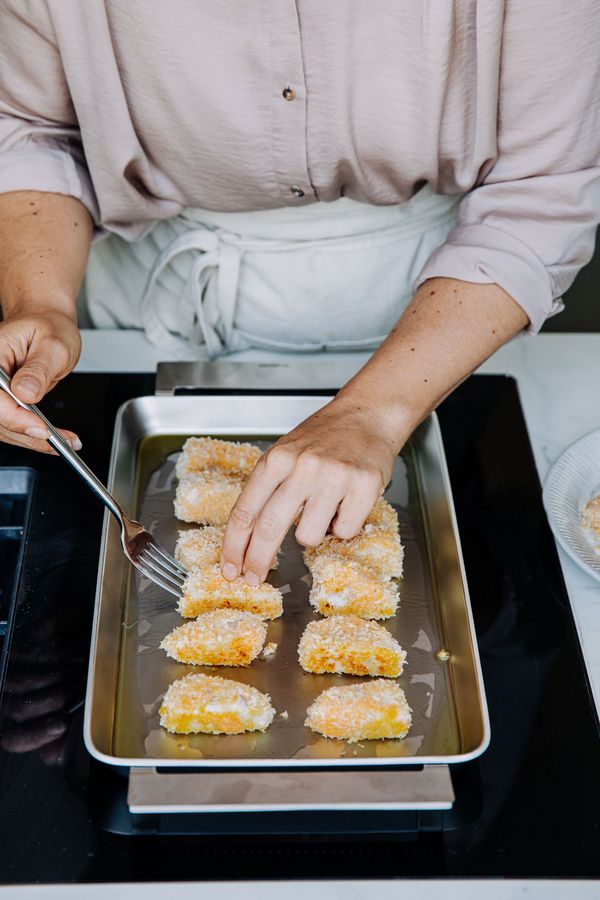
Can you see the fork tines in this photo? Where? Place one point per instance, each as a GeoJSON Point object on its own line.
{"type": "Point", "coordinates": [157, 565]}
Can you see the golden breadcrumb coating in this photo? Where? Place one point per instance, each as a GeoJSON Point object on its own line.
{"type": "Point", "coordinates": [202, 546]}
{"type": "Point", "coordinates": [209, 704]}
{"type": "Point", "coordinates": [358, 712]}
{"type": "Point", "coordinates": [205, 588]}
{"type": "Point", "coordinates": [229, 457]}
{"type": "Point", "coordinates": [383, 515]}
{"type": "Point", "coordinates": [377, 548]}
{"type": "Point", "coordinates": [590, 517]}
{"type": "Point", "coordinates": [343, 586]}
{"type": "Point", "coordinates": [223, 637]}
{"type": "Point", "coordinates": [349, 645]}
{"type": "Point", "coordinates": [207, 497]}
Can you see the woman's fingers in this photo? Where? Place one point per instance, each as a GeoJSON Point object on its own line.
{"type": "Point", "coordinates": [20, 440]}
{"type": "Point", "coordinates": [14, 418]}
{"type": "Point", "coordinates": [333, 467]}
{"type": "Point", "coordinates": [38, 350]}
{"type": "Point", "coordinates": [326, 490]}
{"type": "Point", "coordinates": [23, 428]}
{"type": "Point", "coordinates": [268, 505]}
{"type": "Point", "coordinates": [271, 527]}
{"type": "Point", "coordinates": [36, 376]}
{"type": "Point", "coordinates": [42, 446]}
{"type": "Point", "coordinates": [355, 507]}
{"type": "Point", "coordinates": [271, 470]}
{"type": "Point", "coordinates": [316, 518]}
{"type": "Point", "coordinates": [330, 488]}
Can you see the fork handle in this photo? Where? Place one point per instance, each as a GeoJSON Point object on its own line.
{"type": "Point", "coordinates": [66, 451]}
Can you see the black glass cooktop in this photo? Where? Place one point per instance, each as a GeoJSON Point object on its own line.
{"type": "Point", "coordinates": [529, 807]}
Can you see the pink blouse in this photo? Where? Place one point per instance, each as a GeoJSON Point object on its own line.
{"type": "Point", "coordinates": [141, 108]}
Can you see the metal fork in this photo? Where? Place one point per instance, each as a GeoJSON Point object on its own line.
{"type": "Point", "coordinates": [140, 547]}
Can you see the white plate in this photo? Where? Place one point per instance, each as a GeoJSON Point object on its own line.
{"type": "Point", "coordinates": [571, 482]}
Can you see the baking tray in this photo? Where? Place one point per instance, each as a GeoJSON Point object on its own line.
{"type": "Point", "coordinates": [129, 673]}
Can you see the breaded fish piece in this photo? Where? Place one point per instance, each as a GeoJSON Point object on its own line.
{"type": "Point", "coordinates": [202, 546]}
{"type": "Point", "coordinates": [199, 546]}
{"type": "Point", "coordinates": [590, 518]}
{"type": "Point", "coordinates": [343, 586]}
{"type": "Point", "coordinates": [209, 704]}
{"type": "Point", "coordinates": [349, 645]}
{"type": "Point", "coordinates": [377, 548]}
{"type": "Point", "coordinates": [223, 637]}
{"type": "Point", "coordinates": [205, 588]}
{"type": "Point", "coordinates": [207, 497]}
{"type": "Point", "coordinates": [358, 712]}
{"type": "Point", "coordinates": [228, 457]}
{"type": "Point", "coordinates": [383, 515]}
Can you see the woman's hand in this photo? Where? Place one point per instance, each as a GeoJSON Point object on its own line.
{"type": "Point", "coordinates": [37, 348]}
{"type": "Point", "coordinates": [331, 468]}
{"type": "Point", "coordinates": [334, 466]}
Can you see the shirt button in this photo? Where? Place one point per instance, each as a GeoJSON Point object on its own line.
{"type": "Point", "coordinates": [296, 191]}
{"type": "Point", "coordinates": [289, 94]}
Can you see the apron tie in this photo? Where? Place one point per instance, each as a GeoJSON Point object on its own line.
{"type": "Point", "coordinates": [207, 305]}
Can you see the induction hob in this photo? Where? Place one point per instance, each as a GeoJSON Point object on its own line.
{"type": "Point", "coordinates": [529, 807]}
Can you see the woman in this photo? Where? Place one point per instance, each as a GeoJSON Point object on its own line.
{"type": "Point", "coordinates": [456, 147]}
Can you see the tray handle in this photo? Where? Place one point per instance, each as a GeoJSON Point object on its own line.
{"type": "Point", "coordinates": [153, 792]}
{"type": "Point", "coordinates": [254, 378]}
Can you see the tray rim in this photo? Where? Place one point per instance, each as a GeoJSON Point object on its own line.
{"type": "Point", "coordinates": [248, 763]}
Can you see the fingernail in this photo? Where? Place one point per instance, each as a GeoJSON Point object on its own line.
{"type": "Point", "coordinates": [252, 579]}
{"type": "Point", "coordinates": [229, 571]}
{"type": "Point", "coordinates": [75, 443]}
{"type": "Point", "coordinates": [56, 728]}
{"type": "Point", "coordinates": [28, 385]}
{"type": "Point", "coordinates": [40, 433]}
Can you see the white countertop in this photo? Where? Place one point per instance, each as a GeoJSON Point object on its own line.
{"type": "Point", "coordinates": [557, 377]}
{"type": "Point", "coordinates": [417, 889]}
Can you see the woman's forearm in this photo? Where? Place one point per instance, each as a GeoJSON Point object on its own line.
{"type": "Point", "coordinates": [447, 331]}
{"type": "Point", "coordinates": [44, 244]}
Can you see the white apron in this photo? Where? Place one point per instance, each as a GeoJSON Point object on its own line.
{"type": "Point", "coordinates": [326, 276]}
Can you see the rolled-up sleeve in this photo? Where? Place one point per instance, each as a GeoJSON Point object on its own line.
{"type": "Point", "coordinates": [529, 223]}
{"type": "Point", "coordinates": [40, 143]}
